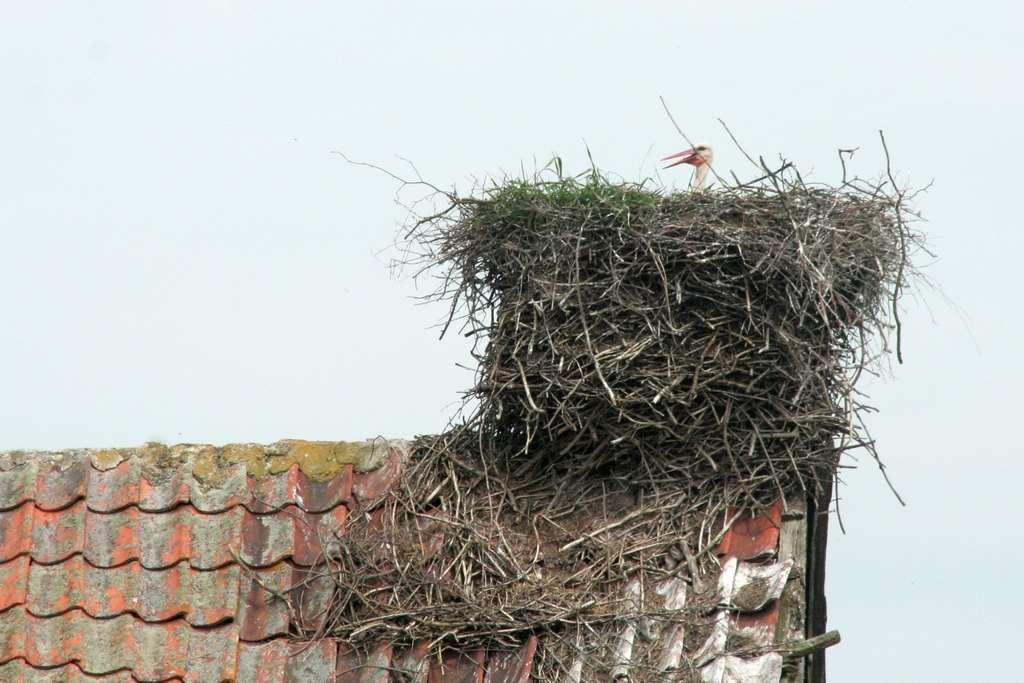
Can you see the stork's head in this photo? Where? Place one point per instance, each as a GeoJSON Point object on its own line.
{"type": "Point", "coordinates": [696, 156]}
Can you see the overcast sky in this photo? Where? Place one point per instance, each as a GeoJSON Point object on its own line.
{"type": "Point", "coordinates": [185, 260]}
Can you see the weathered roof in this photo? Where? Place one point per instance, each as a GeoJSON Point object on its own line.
{"type": "Point", "coordinates": [155, 563]}
{"type": "Point", "coordinates": [159, 563]}
{"type": "Point", "coordinates": [761, 562]}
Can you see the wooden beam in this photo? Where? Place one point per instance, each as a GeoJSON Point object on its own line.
{"type": "Point", "coordinates": [792, 624]}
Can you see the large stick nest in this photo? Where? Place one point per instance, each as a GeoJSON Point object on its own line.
{"type": "Point", "coordinates": [648, 364]}
{"type": "Point", "coordinates": [712, 337]}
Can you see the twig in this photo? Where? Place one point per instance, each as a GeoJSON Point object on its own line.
{"type": "Point", "coordinates": [802, 648]}
{"type": "Point", "coordinates": [898, 284]}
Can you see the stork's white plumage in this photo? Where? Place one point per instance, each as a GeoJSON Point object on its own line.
{"type": "Point", "coordinates": [700, 157]}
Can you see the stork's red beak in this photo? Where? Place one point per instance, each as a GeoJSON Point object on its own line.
{"type": "Point", "coordinates": [690, 156]}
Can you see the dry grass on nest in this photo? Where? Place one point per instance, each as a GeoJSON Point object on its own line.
{"type": "Point", "coordinates": [647, 364]}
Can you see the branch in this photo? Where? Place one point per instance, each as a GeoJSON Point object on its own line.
{"type": "Point", "coordinates": [903, 252]}
{"type": "Point", "coordinates": [738, 145]}
{"type": "Point", "coordinates": [801, 648]}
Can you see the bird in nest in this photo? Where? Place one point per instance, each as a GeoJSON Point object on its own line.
{"type": "Point", "coordinates": [700, 157]}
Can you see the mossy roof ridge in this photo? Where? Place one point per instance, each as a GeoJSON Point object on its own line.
{"type": "Point", "coordinates": [318, 460]}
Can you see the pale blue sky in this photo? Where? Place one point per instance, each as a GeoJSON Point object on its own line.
{"type": "Point", "coordinates": [183, 258]}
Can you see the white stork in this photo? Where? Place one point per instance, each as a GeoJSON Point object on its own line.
{"type": "Point", "coordinates": [700, 157]}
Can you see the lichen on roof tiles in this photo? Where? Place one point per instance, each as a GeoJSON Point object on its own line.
{"type": "Point", "coordinates": [187, 475]}
{"type": "Point", "coordinates": [20, 671]}
{"type": "Point", "coordinates": [101, 646]}
{"type": "Point", "coordinates": [167, 563]}
{"type": "Point", "coordinates": [204, 598]}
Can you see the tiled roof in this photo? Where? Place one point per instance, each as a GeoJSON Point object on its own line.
{"type": "Point", "coordinates": [154, 564]}
{"type": "Point", "coordinates": [159, 564]}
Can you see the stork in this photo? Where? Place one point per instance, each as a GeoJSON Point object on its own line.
{"type": "Point", "coordinates": [700, 157]}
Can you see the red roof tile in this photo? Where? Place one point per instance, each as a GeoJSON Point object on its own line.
{"type": "Point", "coordinates": [280, 660]}
{"type": "Point", "coordinates": [377, 666]}
{"type": "Point", "coordinates": [458, 667]}
{"type": "Point", "coordinates": [512, 667]}
{"type": "Point", "coordinates": [373, 484]}
{"type": "Point", "coordinates": [764, 618]}
{"type": "Point", "coordinates": [753, 536]}
{"type": "Point", "coordinates": [14, 582]}
{"type": "Point", "coordinates": [124, 643]}
{"type": "Point", "coordinates": [160, 540]}
{"type": "Point", "coordinates": [203, 598]}
{"type": "Point", "coordinates": [19, 671]}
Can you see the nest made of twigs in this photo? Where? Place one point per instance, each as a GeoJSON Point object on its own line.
{"type": "Point", "coordinates": [648, 364]}
{"type": "Point", "coordinates": [715, 335]}
{"type": "Point", "coordinates": [464, 554]}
